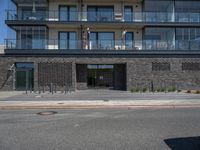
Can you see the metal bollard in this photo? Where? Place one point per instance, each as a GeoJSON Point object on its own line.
{"type": "Point", "coordinates": [62, 91]}
{"type": "Point", "coordinates": [55, 88]}
{"type": "Point", "coordinates": [65, 89]}
{"type": "Point", "coordinates": [31, 89]}
{"type": "Point", "coordinates": [152, 87]}
{"type": "Point", "coordinates": [39, 90]}
{"type": "Point", "coordinates": [51, 88]}
{"type": "Point", "coordinates": [43, 89]}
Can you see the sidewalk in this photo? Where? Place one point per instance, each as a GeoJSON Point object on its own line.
{"type": "Point", "coordinates": [7, 94]}
{"type": "Point", "coordinates": [96, 99]}
{"type": "Point", "coordinates": [96, 104]}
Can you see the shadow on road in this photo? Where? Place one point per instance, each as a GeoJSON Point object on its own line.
{"type": "Point", "coordinates": [187, 143]}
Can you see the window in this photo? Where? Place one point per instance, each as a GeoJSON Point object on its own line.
{"type": "Point", "coordinates": [31, 37]}
{"type": "Point", "coordinates": [101, 40]}
{"type": "Point", "coordinates": [67, 40]}
{"type": "Point", "coordinates": [157, 66]}
{"type": "Point", "coordinates": [191, 66]}
{"type": "Point", "coordinates": [129, 37]}
{"type": "Point", "coordinates": [159, 38]}
{"type": "Point", "coordinates": [24, 65]}
{"type": "Point", "coordinates": [188, 38]}
{"type": "Point", "coordinates": [100, 13]}
{"type": "Point", "coordinates": [67, 13]}
{"type": "Point", "coordinates": [128, 13]}
{"type": "Point", "coordinates": [187, 11]}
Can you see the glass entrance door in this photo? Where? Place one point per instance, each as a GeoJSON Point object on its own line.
{"type": "Point", "coordinates": [21, 80]}
{"type": "Point", "coordinates": [24, 76]}
{"type": "Point", "coordinates": [24, 79]}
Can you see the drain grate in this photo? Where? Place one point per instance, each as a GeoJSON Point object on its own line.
{"type": "Point", "coordinates": [47, 113]}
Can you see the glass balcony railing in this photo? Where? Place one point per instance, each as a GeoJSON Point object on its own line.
{"type": "Point", "coordinates": [27, 15]}
{"type": "Point", "coordinates": [146, 17]}
{"type": "Point", "coordinates": [34, 44]}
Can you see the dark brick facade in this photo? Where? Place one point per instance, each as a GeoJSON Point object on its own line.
{"type": "Point", "coordinates": [138, 71]}
{"type": "Point", "coordinates": [81, 76]}
{"type": "Point", "coordinates": [59, 74]}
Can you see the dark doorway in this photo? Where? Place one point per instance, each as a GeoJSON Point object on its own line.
{"type": "Point", "coordinates": [100, 76]}
{"type": "Point", "coordinates": [107, 76]}
{"type": "Point", "coordinates": [24, 76]}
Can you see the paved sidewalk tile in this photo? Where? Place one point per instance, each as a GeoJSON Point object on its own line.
{"type": "Point", "coordinates": [7, 94]}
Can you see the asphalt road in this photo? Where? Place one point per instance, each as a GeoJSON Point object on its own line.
{"type": "Point", "coordinates": [101, 129]}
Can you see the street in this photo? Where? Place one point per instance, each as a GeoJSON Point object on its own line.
{"type": "Point", "coordinates": [101, 129]}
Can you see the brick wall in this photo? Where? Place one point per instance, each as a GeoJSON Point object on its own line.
{"type": "Point", "coordinates": [138, 73]}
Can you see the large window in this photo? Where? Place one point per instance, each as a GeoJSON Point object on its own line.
{"type": "Point", "coordinates": [159, 38]}
{"type": "Point", "coordinates": [67, 40]}
{"type": "Point", "coordinates": [100, 13]}
{"type": "Point", "coordinates": [187, 11]}
{"type": "Point", "coordinates": [67, 13]}
{"type": "Point", "coordinates": [128, 13]}
{"type": "Point", "coordinates": [101, 40]}
{"type": "Point", "coordinates": [31, 37]}
{"type": "Point", "coordinates": [172, 38]}
{"type": "Point", "coordinates": [158, 10]}
{"type": "Point", "coordinates": [188, 38]}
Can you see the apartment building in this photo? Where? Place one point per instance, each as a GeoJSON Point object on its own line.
{"type": "Point", "coordinates": [114, 44]}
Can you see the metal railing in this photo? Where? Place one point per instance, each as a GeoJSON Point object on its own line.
{"type": "Point", "coordinates": [146, 17]}
{"type": "Point", "coordinates": [54, 44]}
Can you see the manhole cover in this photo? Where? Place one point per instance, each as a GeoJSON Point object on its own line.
{"type": "Point", "coordinates": [60, 103]}
{"type": "Point", "coordinates": [106, 100]}
{"type": "Point", "coordinates": [46, 113]}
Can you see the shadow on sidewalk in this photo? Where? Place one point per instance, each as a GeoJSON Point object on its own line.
{"type": "Point", "coordinates": [187, 143]}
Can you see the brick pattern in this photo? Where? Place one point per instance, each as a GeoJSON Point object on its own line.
{"type": "Point", "coordinates": [160, 66]}
{"type": "Point", "coordinates": [191, 66]}
{"type": "Point", "coordinates": [81, 70]}
{"type": "Point", "coordinates": [59, 74]}
{"type": "Point", "coordinates": [119, 80]}
{"type": "Point", "coordinates": [138, 71]}
{"type": "Point", "coordinates": [81, 76]}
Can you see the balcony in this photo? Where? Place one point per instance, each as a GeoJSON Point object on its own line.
{"type": "Point", "coordinates": [135, 17]}
{"type": "Point", "coordinates": [104, 45]}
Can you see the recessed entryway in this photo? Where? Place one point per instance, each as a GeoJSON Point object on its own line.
{"type": "Point", "coordinates": [107, 76]}
{"type": "Point", "coordinates": [100, 76]}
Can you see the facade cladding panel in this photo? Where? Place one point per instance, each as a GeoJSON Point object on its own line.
{"type": "Point", "coordinates": [59, 74]}
{"type": "Point", "coordinates": [114, 45]}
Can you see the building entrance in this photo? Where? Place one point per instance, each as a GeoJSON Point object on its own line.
{"type": "Point", "coordinates": [24, 76]}
{"type": "Point", "coordinates": [100, 76]}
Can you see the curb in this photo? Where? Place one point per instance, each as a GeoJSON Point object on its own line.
{"type": "Point", "coordinates": [97, 106]}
